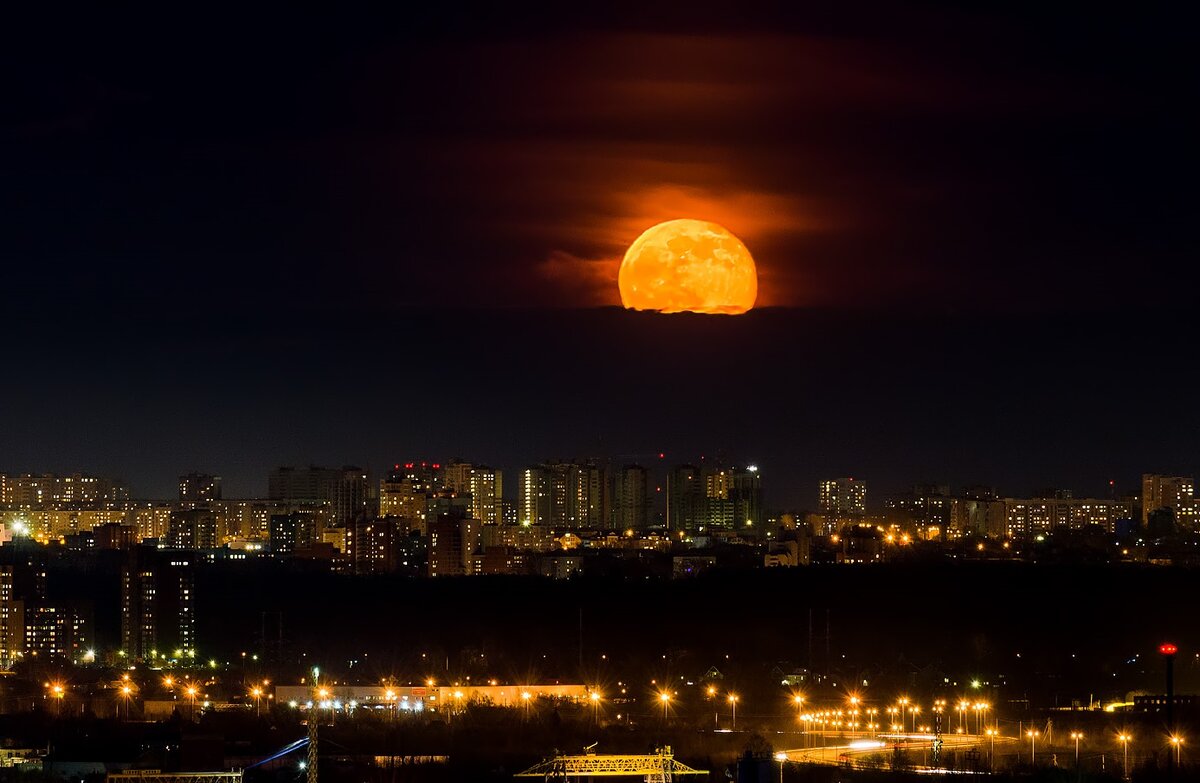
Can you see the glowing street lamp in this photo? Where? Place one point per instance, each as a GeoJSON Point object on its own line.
{"type": "Point", "coordinates": [991, 735]}
{"type": "Point", "coordinates": [126, 692]}
{"type": "Point", "coordinates": [57, 692]}
{"type": "Point", "coordinates": [1033, 735]}
{"type": "Point", "coordinates": [781, 757]}
{"type": "Point", "coordinates": [1124, 739]}
{"type": "Point", "coordinates": [1177, 742]}
{"type": "Point", "coordinates": [1076, 736]}
{"type": "Point", "coordinates": [595, 698]}
{"type": "Point", "coordinates": [256, 692]}
{"type": "Point", "coordinates": [665, 698]}
{"type": "Point", "coordinates": [733, 700]}
{"type": "Point", "coordinates": [191, 693]}
{"type": "Point", "coordinates": [981, 716]}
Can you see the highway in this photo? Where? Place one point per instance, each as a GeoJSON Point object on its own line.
{"type": "Point", "coordinates": [854, 752]}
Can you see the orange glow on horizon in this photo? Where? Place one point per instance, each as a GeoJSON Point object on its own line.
{"type": "Point", "coordinates": [688, 266]}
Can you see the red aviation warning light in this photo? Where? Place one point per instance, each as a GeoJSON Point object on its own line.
{"type": "Point", "coordinates": [1167, 649]}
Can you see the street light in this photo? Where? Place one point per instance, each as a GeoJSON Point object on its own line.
{"type": "Point", "coordinates": [1177, 741]}
{"type": "Point", "coordinates": [991, 735]}
{"type": "Point", "coordinates": [1077, 735]}
{"type": "Point", "coordinates": [125, 693]}
{"type": "Point", "coordinates": [733, 700]}
{"type": "Point", "coordinates": [665, 698]}
{"type": "Point", "coordinates": [191, 692]}
{"type": "Point", "coordinates": [256, 692]}
{"type": "Point", "coordinates": [781, 757]}
{"type": "Point", "coordinates": [57, 692]}
{"type": "Point", "coordinates": [1124, 738]}
{"type": "Point", "coordinates": [595, 698]}
{"type": "Point", "coordinates": [1033, 735]}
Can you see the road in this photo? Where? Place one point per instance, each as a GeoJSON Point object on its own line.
{"type": "Point", "coordinates": [855, 751]}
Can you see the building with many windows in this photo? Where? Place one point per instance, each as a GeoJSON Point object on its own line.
{"type": "Point", "coordinates": [484, 485]}
{"type": "Point", "coordinates": [842, 497]}
{"type": "Point", "coordinates": [199, 488]}
{"type": "Point", "coordinates": [572, 495]}
{"type": "Point", "coordinates": [1169, 492]}
{"type": "Point", "coordinates": [348, 490]}
{"type": "Point", "coordinates": [158, 603]}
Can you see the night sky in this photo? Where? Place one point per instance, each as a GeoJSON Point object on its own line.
{"type": "Point", "coordinates": [232, 240]}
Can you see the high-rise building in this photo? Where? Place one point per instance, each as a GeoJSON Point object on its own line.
{"type": "Point", "coordinates": [732, 497]}
{"type": "Point", "coordinates": [158, 600]}
{"type": "Point", "coordinates": [452, 546]}
{"type": "Point", "coordinates": [1169, 492]}
{"type": "Point", "coordinates": [371, 546]}
{"type": "Point", "coordinates": [483, 484]}
{"type": "Point", "coordinates": [348, 490]}
{"type": "Point", "coordinates": [293, 531]}
{"type": "Point", "coordinates": [28, 491]}
{"type": "Point", "coordinates": [194, 528]}
{"type": "Point", "coordinates": [928, 509]}
{"type": "Point", "coordinates": [842, 497]}
{"type": "Point", "coordinates": [199, 488]}
{"type": "Point", "coordinates": [631, 500]}
{"type": "Point", "coordinates": [406, 490]}
{"type": "Point", "coordinates": [571, 495]}
{"type": "Point", "coordinates": [685, 498]}
{"type": "Point", "coordinates": [12, 621]}
{"type": "Point", "coordinates": [745, 493]}
{"type": "Point", "coordinates": [57, 630]}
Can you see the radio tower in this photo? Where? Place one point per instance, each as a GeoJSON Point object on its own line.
{"type": "Point", "coordinates": [313, 713]}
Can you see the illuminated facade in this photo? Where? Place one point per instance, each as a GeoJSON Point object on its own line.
{"type": "Point", "coordinates": [572, 495]}
{"type": "Point", "coordinates": [483, 484]}
{"type": "Point", "coordinates": [1024, 518]}
{"type": "Point", "coordinates": [732, 498]}
{"type": "Point", "coordinates": [290, 532]}
{"type": "Point", "coordinates": [28, 491]}
{"type": "Point", "coordinates": [842, 496]}
{"type": "Point", "coordinates": [158, 591]}
{"type": "Point", "coordinates": [192, 529]}
{"type": "Point", "coordinates": [1169, 492]}
{"type": "Point", "coordinates": [406, 491]}
{"type": "Point", "coordinates": [928, 510]}
{"type": "Point", "coordinates": [11, 619]}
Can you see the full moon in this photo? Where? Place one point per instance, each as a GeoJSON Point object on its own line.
{"type": "Point", "coordinates": [688, 266]}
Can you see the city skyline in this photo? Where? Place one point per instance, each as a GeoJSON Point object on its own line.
{"type": "Point", "coordinates": [655, 467]}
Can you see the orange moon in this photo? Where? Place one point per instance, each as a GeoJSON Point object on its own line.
{"type": "Point", "coordinates": [688, 266]}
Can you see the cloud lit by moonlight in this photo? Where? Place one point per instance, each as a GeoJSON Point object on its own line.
{"type": "Point", "coordinates": [688, 266]}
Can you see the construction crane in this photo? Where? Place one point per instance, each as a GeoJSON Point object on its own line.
{"type": "Point", "coordinates": [660, 767]}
